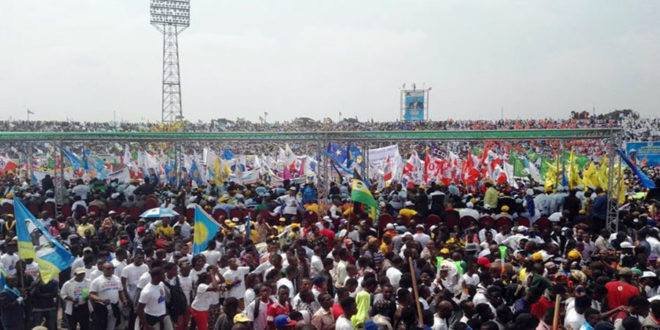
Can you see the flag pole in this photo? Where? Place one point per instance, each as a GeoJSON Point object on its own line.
{"type": "Point", "coordinates": [420, 320]}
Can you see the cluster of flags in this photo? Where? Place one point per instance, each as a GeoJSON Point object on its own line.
{"type": "Point", "coordinates": [35, 243]}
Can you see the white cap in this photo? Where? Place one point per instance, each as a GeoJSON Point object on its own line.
{"type": "Point", "coordinates": [389, 226]}
{"type": "Point", "coordinates": [648, 274]}
{"type": "Point", "coordinates": [626, 245]}
{"type": "Point", "coordinates": [409, 203]}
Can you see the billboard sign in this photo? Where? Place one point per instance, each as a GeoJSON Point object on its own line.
{"type": "Point", "coordinates": [644, 152]}
{"type": "Point", "coordinates": [413, 105]}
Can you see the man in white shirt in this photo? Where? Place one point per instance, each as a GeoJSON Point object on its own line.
{"type": "Point", "coordinates": [420, 236]}
{"type": "Point", "coordinates": [212, 255]}
{"type": "Point", "coordinates": [151, 308]}
{"type": "Point", "coordinates": [75, 293]}
{"type": "Point", "coordinates": [10, 258]}
{"type": "Point", "coordinates": [236, 276]}
{"type": "Point", "coordinates": [81, 189]}
{"type": "Point", "coordinates": [32, 269]}
{"type": "Point", "coordinates": [105, 293]}
{"type": "Point", "coordinates": [393, 273]}
{"type": "Point", "coordinates": [131, 274]}
{"type": "Point", "coordinates": [186, 228]}
{"type": "Point", "coordinates": [344, 321]}
{"type": "Point", "coordinates": [291, 203]}
{"type": "Point", "coordinates": [290, 274]}
{"type": "Point", "coordinates": [119, 261]}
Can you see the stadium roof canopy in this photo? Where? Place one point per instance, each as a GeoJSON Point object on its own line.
{"type": "Point", "coordinates": [535, 134]}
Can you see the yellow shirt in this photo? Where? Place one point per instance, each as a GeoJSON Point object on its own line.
{"type": "Point", "coordinates": [165, 231]}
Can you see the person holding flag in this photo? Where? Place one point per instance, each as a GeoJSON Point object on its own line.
{"type": "Point", "coordinates": [361, 194]}
{"type": "Point", "coordinates": [205, 230]}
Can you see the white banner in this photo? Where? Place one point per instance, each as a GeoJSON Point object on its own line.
{"type": "Point", "coordinates": [385, 161]}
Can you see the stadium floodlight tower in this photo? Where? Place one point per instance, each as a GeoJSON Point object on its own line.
{"type": "Point", "coordinates": [171, 17]}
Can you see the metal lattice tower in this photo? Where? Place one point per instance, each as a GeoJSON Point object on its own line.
{"type": "Point", "coordinates": [171, 17]}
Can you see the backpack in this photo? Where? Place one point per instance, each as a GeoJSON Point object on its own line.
{"type": "Point", "coordinates": [177, 304]}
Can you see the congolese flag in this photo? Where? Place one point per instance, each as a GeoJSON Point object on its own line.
{"type": "Point", "coordinates": [205, 230]}
{"type": "Point", "coordinates": [34, 242]}
{"type": "Point", "coordinates": [361, 194]}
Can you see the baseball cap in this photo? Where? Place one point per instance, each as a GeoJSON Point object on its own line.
{"type": "Point", "coordinates": [283, 321]}
{"type": "Point", "coordinates": [79, 270]}
{"type": "Point", "coordinates": [389, 226]}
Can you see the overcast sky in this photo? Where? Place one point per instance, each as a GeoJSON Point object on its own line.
{"type": "Point", "coordinates": [84, 59]}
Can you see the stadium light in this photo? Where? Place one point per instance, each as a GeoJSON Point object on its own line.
{"type": "Point", "coordinates": [171, 17]}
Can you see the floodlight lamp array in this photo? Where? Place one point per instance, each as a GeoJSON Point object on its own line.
{"type": "Point", "coordinates": [171, 12]}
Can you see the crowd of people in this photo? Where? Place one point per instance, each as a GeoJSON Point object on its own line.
{"type": "Point", "coordinates": [645, 128]}
{"type": "Point", "coordinates": [291, 257]}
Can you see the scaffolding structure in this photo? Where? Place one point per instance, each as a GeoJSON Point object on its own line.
{"type": "Point", "coordinates": [365, 139]}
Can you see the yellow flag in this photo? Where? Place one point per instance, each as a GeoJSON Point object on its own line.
{"type": "Point", "coordinates": [589, 176]}
{"type": "Point", "coordinates": [602, 173]}
{"type": "Point", "coordinates": [621, 188]}
{"type": "Point", "coordinates": [550, 177]}
{"type": "Point", "coordinates": [573, 175]}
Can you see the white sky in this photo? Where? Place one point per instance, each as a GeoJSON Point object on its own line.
{"type": "Point", "coordinates": [84, 59]}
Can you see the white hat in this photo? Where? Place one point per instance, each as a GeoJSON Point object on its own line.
{"type": "Point", "coordinates": [521, 229]}
{"type": "Point", "coordinates": [292, 188]}
{"type": "Point", "coordinates": [555, 217]}
{"type": "Point", "coordinates": [648, 274]}
{"type": "Point", "coordinates": [389, 226]}
{"type": "Point", "coordinates": [409, 203]}
{"type": "Point", "coordinates": [626, 245]}
{"type": "Point", "coordinates": [484, 252]}
{"type": "Point", "coordinates": [234, 219]}
{"type": "Point", "coordinates": [326, 218]}
{"type": "Point", "coordinates": [79, 270]}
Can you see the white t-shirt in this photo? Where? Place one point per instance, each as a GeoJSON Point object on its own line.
{"type": "Point", "coordinates": [186, 286]}
{"type": "Point", "coordinates": [204, 299]}
{"type": "Point", "coordinates": [573, 319]}
{"type": "Point", "coordinates": [107, 288]}
{"type": "Point", "coordinates": [153, 298]}
{"type": "Point", "coordinates": [237, 291]}
{"type": "Point", "coordinates": [9, 263]}
{"type": "Point", "coordinates": [94, 274]}
{"type": "Point", "coordinates": [119, 266]}
{"type": "Point", "coordinates": [212, 257]}
{"type": "Point", "coordinates": [74, 289]}
{"type": "Point", "coordinates": [185, 229]}
{"type": "Point", "coordinates": [316, 266]}
{"type": "Point", "coordinates": [132, 274]}
{"type": "Point", "coordinates": [143, 281]}
{"type": "Point", "coordinates": [394, 275]}
{"type": "Point", "coordinates": [343, 324]}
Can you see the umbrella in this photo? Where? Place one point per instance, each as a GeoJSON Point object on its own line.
{"type": "Point", "coordinates": [159, 212]}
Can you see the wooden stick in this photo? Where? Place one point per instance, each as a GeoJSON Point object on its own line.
{"type": "Point", "coordinates": [420, 317]}
{"type": "Point", "coordinates": [555, 317]}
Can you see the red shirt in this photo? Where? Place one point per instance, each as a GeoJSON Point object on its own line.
{"type": "Point", "coordinates": [336, 310]}
{"type": "Point", "coordinates": [274, 309]}
{"type": "Point", "coordinates": [619, 292]}
{"type": "Point", "coordinates": [330, 235]}
{"type": "Point", "coordinates": [539, 308]}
